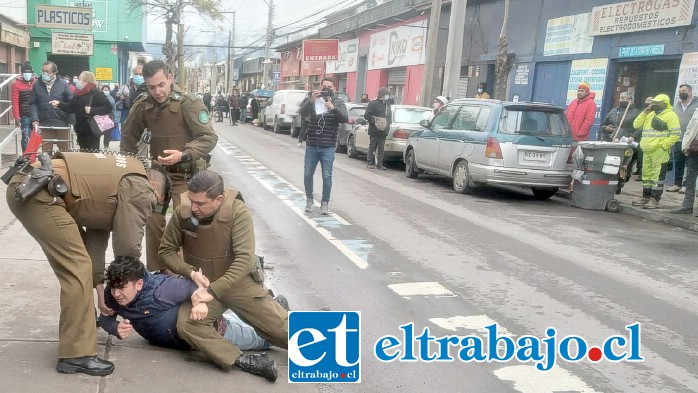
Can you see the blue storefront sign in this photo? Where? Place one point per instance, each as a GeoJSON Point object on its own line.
{"type": "Point", "coordinates": [641, 51]}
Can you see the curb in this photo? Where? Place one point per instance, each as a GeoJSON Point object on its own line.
{"type": "Point", "coordinates": [657, 215]}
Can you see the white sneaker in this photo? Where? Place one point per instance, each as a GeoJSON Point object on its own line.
{"type": "Point", "coordinates": [324, 208]}
{"type": "Point", "coordinates": [682, 190]}
{"type": "Point", "coordinates": [673, 189]}
{"type": "Point", "coordinates": [309, 204]}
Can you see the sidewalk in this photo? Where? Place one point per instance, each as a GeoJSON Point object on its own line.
{"type": "Point", "coordinates": [670, 200]}
{"type": "Point", "coordinates": [29, 302]}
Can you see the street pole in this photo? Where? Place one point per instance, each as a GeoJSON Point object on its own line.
{"type": "Point", "coordinates": [180, 55]}
{"type": "Point", "coordinates": [232, 57]}
{"type": "Point", "coordinates": [430, 61]}
{"type": "Point", "coordinates": [454, 54]}
{"type": "Point", "coordinates": [228, 76]}
{"type": "Point", "coordinates": [267, 49]}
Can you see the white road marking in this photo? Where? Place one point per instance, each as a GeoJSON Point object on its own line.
{"type": "Point", "coordinates": [527, 379]}
{"type": "Point", "coordinates": [472, 322]}
{"type": "Point", "coordinates": [421, 289]}
{"type": "Point", "coordinates": [253, 164]}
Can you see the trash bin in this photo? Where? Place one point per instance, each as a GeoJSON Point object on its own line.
{"type": "Point", "coordinates": [598, 168]}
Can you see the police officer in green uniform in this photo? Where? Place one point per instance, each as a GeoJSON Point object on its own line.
{"type": "Point", "coordinates": [98, 191]}
{"type": "Point", "coordinates": [214, 230]}
{"type": "Point", "coordinates": [182, 139]}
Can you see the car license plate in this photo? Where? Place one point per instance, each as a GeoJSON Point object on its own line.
{"type": "Point", "coordinates": [535, 156]}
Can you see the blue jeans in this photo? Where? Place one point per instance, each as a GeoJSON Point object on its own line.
{"type": "Point", "coordinates": [25, 127]}
{"type": "Point", "coordinates": [313, 155]}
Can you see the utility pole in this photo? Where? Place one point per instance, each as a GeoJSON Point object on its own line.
{"type": "Point", "coordinates": [430, 61]}
{"type": "Point", "coordinates": [180, 55]}
{"type": "Point", "coordinates": [267, 49]}
{"type": "Point", "coordinates": [454, 54]}
{"type": "Point", "coordinates": [228, 75]}
{"type": "Point", "coordinates": [231, 58]}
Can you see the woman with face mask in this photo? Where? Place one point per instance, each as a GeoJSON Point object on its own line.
{"type": "Point", "coordinates": [107, 93]}
{"type": "Point", "coordinates": [439, 103]}
{"type": "Point", "coordinates": [87, 102]}
{"type": "Point", "coordinates": [21, 99]}
{"type": "Point", "coordinates": [482, 91]}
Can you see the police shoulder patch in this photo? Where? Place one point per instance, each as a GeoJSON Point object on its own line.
{"type": "Point", "coordinates": [203, 117]}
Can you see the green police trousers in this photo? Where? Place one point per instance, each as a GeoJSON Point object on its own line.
{"type": "Point", "coordinates": [253, 304]}
{"type": "Point", "coordinates": [135, 200]}
{"type": "Point", "coordinates": [55, 230]}
{"type": "Point", "coordinates": [155, 226]}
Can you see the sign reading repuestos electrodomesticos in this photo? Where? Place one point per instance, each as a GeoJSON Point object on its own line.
{"type": "Point", "coordinates": [640, 15]}
{"type": "Point", "coordinates": [55, 17]}
{"type": "Point", "coordinates": [320, 50]}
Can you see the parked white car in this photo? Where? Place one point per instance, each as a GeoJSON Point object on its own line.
{"type": "Point", "coordinates": [403, 121]}
{"type": "Point", "coordinates": [281, 111]}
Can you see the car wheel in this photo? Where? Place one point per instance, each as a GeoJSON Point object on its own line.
{"type": "Point", "coordinates": [461, 178]}
{"type": "Point", "coordinates": [613, 206]}
{"type": "Point", "coordinates": [543, 194]}
{"type": "Point", "coordinates": [277, 126]}
{"type": "Point", "coordinates": [411, 165]}
{"type": "Point", "coordinates": [340, 148]}
{"type": "Point", "coordinates": [351, 148]}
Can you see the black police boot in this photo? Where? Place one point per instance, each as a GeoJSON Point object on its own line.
{"type": "Point", "coordinates": [90, 365]}
{"type": "Point", "coordinates": [258, 364]}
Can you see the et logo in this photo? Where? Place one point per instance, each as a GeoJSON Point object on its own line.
{"type": "Point", "coordinates": [324, 346]}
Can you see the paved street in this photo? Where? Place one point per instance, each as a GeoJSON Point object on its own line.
{"type": "Point", "coordinates": [401, 251]}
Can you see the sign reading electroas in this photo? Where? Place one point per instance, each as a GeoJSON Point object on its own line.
{"type": "Point", "coordinates": [320, 50]}
{"type": "Point", "coordinates": [55, 17]}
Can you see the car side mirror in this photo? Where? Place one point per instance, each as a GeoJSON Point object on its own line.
{"type": "Point", "coordinates": [361, 121]}
{"type": "Point", "coordinates": [424, 123]}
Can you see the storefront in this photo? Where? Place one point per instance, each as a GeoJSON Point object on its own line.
{"type": "Point", "coordinates": [103, 49]}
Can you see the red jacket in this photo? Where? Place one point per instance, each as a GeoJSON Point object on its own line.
{"type": "Point", "coordinates": [21, 100]}
{"type": "Point", "coordinates": [581, 115]}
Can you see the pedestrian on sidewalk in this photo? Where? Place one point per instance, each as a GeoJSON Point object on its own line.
{"type": "Point", "coordinates": [689, 147]}
{"type": "Point", "coordinates": [581, 112]}
{"type": "Point", "coordinates": [234, 109]}
{"type": "Point", "coordinates": [377, 117]}
{"type": "Point", "coordinates": [49, 88]}
{"type": "Point", "coordinates": [215, 233]}
{"type": "Point", "coordinates": [685, 108]}
{"type": "Point", "coordinates": [660, 130]}
{"type": "Point", "coordinates": [21, 102]}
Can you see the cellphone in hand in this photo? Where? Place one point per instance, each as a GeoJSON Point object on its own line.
{"type": "Point", "coordinates": [325, 93]}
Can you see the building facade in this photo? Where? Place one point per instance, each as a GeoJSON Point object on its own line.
{"type": "Point", "coordinates": [103, 49]}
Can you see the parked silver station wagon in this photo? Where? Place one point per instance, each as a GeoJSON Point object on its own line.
{"type": "Point", "coordinates": [478, 142]}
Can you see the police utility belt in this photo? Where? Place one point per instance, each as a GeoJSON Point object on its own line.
{"type": "Point", "coordinates": [190, 167]}
{"type": "Point", "coordinates": [36, 179]}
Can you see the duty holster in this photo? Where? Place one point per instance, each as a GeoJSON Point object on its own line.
{"type": "Point", "coordinates": [20, 164]}
{"type": "Point", "coordinates": [40, 178]}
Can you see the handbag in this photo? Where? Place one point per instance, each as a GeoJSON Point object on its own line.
{"type": "Point", "coordinates": [380, 122]}
{"type": "Point", "coordinates": [100, 124]}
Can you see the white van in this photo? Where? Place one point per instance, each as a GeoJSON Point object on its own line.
{"type": "Point", "coordinates": [282, 110]}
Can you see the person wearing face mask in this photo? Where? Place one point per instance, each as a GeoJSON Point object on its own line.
{"type": "Point", "coordinates": [107, 93]}
{"type": "Point", "coordinates": [612, 120]}
{"type": "Point", "coordinates": [685, 108]}
{"type": "Point", "coordinates": [137, 86]}
{"type": "Point", "coordinates": [87, 102]}
{"type": "Point", "coordinates": [439, 103]}
{"type": "Point", "coordinates": [21, 100]}
{"type": "Point", "coordinates": [377, 116]}
{"type": "Point", "coordinates": [365, 99]}
{"type": "Point", "coordinates": [481, 91]}
{"type": "Point", "coordinates": [661, 129]}
{"type": "Point", "coordinates": [581, 112]}
{"type": "Point", "coordinates": [50, 88]}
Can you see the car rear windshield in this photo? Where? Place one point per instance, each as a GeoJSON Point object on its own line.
{"type": "Point", "coordinates": [410, 115]}
{"type": "Point", "coordinates": [533, 122]}
{"type": "Point", "coordinates": [355, 113]}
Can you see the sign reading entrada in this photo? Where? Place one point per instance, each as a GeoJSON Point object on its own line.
{"type": "Point", "coordinates": [640, 15]}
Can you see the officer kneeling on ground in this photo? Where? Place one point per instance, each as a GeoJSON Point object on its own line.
{"type": "Point", "coordinates": [214, 230]}
{"type": "Point", "coordinates": [102, 193]}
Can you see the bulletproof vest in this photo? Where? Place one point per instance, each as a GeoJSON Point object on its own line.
{"type": "Point", "coordinates": [169, 130]}
{"type": "Point", "coordinates": [210, 248]}
{"type": "Point", "coordinates": [94, 182]}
